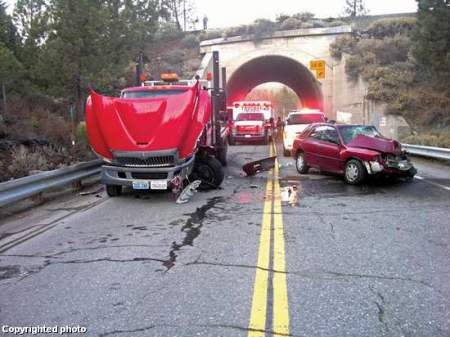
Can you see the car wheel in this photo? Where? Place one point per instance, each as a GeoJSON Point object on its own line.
{"type": "Point", "coordinates": [300, 163]}
{"type": "Point", "coordinates": [209, 171]}
{"type": "Point", "coordinates": [231, 140]}
{"type": "Point", "coordinates": [113, 190]}
{"type": "Point", "coordinates": [355, 173]}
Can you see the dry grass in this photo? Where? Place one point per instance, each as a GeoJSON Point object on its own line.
{"type": "Point", "coordinates": [436, 138]}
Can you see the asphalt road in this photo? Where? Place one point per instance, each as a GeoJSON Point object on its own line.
{"type": "Point", "coordinates": [249, 259]}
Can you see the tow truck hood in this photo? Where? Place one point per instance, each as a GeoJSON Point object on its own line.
{"type": "Point", "coordinates": [380, 144]}
{"type": "Point", "coordinates": [146, 124]}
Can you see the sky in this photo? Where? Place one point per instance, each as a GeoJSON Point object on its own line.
{"type": "Point", "coordinates": [236, 12]}
{"type": "Point", "coordinates": [228, 13]}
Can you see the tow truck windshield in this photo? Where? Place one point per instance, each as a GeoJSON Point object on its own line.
{"type": "Point", "coordinates": [350, 132]}
{"type": "Point", "coordinates": [305, 118]}
{"type": "Point", "coordinates": [152, 93]}
{"type": "Point", "coordinates": [250, 117]}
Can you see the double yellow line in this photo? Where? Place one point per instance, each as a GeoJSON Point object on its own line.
{"type": "Point", "coordinates": [272, 236]}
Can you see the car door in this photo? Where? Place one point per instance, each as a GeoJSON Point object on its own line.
{"type": "Point", "coordinates": [310, 146]}
{"type": "Point", "coordinates": [329, 149]}
{"type": "Point", "coordinates": [323, 148]}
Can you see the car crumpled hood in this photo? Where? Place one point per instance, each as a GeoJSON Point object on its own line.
{"type": "Point", "coordinates": [380, 144]}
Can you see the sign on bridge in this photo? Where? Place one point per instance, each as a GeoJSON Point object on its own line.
{"type": "Point", "coordinates": [319, 67]}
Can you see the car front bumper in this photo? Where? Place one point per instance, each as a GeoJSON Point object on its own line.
{"type": "Point", "coordinates": [391, 167]}
{"type": "Point", "coordinates": [248, 137]}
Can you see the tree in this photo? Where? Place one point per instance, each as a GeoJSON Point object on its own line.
{"type": "Point", "coordinates": [431, 47]}
{"type": "Point", "coordinates": [32, 18]}
{"type": "Point", "coordinates": [355, 8]}
{"type": "Point", "coordinates": [181, 11]}
{"type": "Point", "coordinates": [10, 69]}
{"type": "Point", "coordinates": [8, 31]}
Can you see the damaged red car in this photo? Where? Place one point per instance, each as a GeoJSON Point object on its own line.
{"type": "Point", "coordinates": [356, 151]}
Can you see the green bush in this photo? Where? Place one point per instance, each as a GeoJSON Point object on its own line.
{"type": "Point", "coordinates": [262, 27]}
{"type": "Point", "coordinates": [343, 44]}
{"type": "Point", "coordinates": [211, 34]}
{"type": "Point", "coordinates": [190, 41]}
{"type": "Point", "coordinates": [391, 27]}
{"type": "Point", "coordinates": [290, 23]}
{"type": "Point", "coordinates": [439, 139]}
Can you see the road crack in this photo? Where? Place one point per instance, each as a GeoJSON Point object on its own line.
{"type": "Point", "coordinates": [321, 275]}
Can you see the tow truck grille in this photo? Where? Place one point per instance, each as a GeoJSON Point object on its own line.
{"type": "Point", "coordinates": [157, 161]}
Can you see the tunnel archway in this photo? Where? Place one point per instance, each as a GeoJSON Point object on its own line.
{"type": "Point", "coordinates": [275, 68]}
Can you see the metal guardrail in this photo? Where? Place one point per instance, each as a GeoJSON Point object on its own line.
{"type": "Point", "coordinates": [22, 188]}
{"type": "Point", "coordinates": [427, 151]}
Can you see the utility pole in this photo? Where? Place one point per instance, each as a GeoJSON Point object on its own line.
{"type": "Point", "coordinates": [184, 14]}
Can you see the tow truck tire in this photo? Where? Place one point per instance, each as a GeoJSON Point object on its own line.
{"type": "Point", "coordinates": [222, 154]}
{"type": "Point", "coordinates": [210, 171]}
{"type": "Point", "coordinates": [113, 190]}
{"type": "Point", "coordinates": [354, 172]}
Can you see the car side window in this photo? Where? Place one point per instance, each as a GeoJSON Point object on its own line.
{"type": "Point", "coordinates": [325, 133]}
{"type": "Point", "coordinates": [331, 135]}
{"type": "Point", "coordinates": [315, 133]}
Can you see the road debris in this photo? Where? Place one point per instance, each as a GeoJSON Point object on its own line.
{"type": "Point", "coordinates": [188, 192]}
{"type": "Point", "coordinates": [258, 166]}
{"type": "Point", "coordinates": [289, 194]}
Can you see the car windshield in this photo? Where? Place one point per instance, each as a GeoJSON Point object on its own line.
{"type": "Point", "coordinates": [152, 93]}
{"type": "Point", "coordinates": [350, 132]}
{"type": "Point", "coordinates": [305, 119]}
{"type": "Point", "coordinates": [250, 117]}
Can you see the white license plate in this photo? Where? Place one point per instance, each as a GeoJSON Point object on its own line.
{"type": "Point", "coordinates": [141, 185]}
{"type": "Point", "coordinates": [158, 184]}
{"type": "Point", "coordinates": [247, 136]}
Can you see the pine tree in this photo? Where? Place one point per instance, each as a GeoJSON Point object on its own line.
{"type": "Point", "coordinates": [432, 37]}
{"type": "Point", "coordinates": [355, 8]}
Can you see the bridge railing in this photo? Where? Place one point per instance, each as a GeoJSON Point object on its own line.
{"type": "Point", "coordinates": [22, 188]}
{"type": "Point", "coordinates": [428, 151]}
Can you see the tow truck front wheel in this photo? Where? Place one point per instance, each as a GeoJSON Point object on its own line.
{"type": "Point", "coordinates": [113, 190]}
{"type": "Point", "coordinates": [209, 171]}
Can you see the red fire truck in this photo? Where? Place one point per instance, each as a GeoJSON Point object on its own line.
{"type": "Point", "coordinates": [161, 134]}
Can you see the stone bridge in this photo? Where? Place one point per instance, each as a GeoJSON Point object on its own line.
{"type": "Point", "coordinates": [285, 57]}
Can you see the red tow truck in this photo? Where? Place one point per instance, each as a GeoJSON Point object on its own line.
{"type": "Point", "coordinates": [160, 135]}
{"type": "Point", "coordinates": [251, 121]}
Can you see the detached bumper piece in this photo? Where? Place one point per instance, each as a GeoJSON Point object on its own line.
{"type": "Point", "coordinates": [146, 170]}
{"type": "Point", "coordinates": [255, 167]}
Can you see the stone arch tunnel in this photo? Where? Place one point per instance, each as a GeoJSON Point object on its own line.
{"type": "Point", "coordinates": [275, 68]}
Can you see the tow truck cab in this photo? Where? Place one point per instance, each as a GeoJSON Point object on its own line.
{"type": "Point", "coordinates": [157, 136]}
